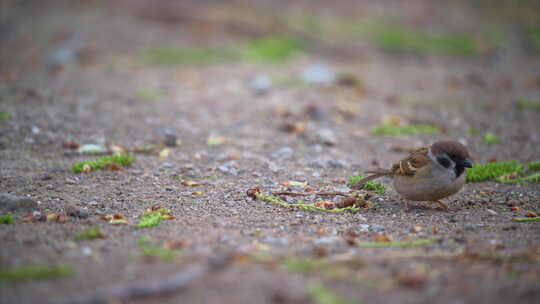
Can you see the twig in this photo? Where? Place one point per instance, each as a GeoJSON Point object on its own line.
{"type": "Point", "coordinates": [526, 219]}
{"type": "Point", "coordinates": [175, 282]}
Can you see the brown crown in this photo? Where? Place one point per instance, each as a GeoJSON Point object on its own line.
{"type": "Point", "coordinates": [450, 147]}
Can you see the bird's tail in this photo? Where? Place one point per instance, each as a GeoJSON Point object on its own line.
{"type": "Point", "coordinates": [375, 175]}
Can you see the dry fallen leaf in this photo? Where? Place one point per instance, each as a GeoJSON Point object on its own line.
{"type": "Point", "coordinates": [175, 244]}
{"type": "Point", "coordinates": [325, 204]}
{"type": "Point", "coordinates": [216, 140]}
{"type": "Point", "coordinates": [86, 168]}
{"type": "Point", "coordinates": [434, 230]}
{"type": "Point", "coordinates": [52, 217]}
{"type": "Point", "coordinates": [252, 192]}
{"type": "Point", "coordinates": [164, 153]}
{"type": "Point", "coordinates": [116, 149]}
{"type": "Point", "coordinates": [416, 229]}
{"type": "Point", "coordinates": [70, 145]}
{"type": "Point", "coordinates": [112, 167]}
{"type": "Point", "coordinates": [346, 202]}
{"type": "Point", "coordinates": [514, 208]}
{"type": "Point", "coordinates": [531, 213]}
{"type": "Point", "coordinates": [106, 217]}
{"type": "Point", "coordinates": [155, 207]}
{"type": "Point", "coordinates": [189, 183]}
{"type": "Point", "coordinates": [293, 127]}
{"type": "Point", "coordinates": [118, 222]}
{"type": "Point", "coordinates": [118, 216]}
{"type": "Point", "coordinates": [196, 193]}
{"type": "Point", "coordinates": [29, 218]}
{"type": "Point", "coordinates": [393, 120]}
{"type": "Point", "coordinates": [310, 189]}
{"type": "Point", "coordinates": [293, 184]}
{"type": "Point", "coordinates": [321, 230]}
{"type": "Point", "coordinates": [168, 217]}
{"type": "Point", "coordinates": [381, 238]}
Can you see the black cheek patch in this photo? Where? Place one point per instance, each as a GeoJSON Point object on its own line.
{"type": "Point", "coordinates": [443, 161]}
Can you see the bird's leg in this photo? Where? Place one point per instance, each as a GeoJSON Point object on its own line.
{"type": "Point", "coordinates": [443, 205]}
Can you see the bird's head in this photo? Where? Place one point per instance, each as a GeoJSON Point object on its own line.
{"type": "Point", "coordinates": [451, 155]}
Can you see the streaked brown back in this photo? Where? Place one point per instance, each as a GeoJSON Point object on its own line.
{"type": "Point", "coordinates": [408, 166]}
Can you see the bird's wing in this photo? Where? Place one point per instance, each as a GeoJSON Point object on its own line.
{"type": "Point", "coordinates": [412, 163]}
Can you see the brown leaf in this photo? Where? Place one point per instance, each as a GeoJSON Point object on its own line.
{"type": "Point", "coordinates": [70, 145]}
{"type": "Point", "coordinates": [164, 153]}
{"type": "Point", "coordinates": [175, 244]}
{"type": "Point", "coordinates": [434, 230]}
{"type": "Point", "coordinates": [320, 252]}
{"type": "Point", "coordinates": [168, 217]}
{"type": "Point", "coordinates": [325, 204]}
{"type": "Point", "coordinates": [350, 237]}
{"type": "Point", "coordinates": [52, 217]}
{"type": "Point", "coordinates": [293, 127]}
{"type": "Point", "coordinates": [310, 189]}
{"type": "Point", "coordinates": [320, 230]}
{"type": "Point", "coordinates": [118, 216]}
{"type": "Point", "coordinates": [416, 229]}
{"type": "Point", "coordinates": [346, 202]}
{"type": "Point", "coordinates": [253, 192]}
{"type": "Point", "coordinates": [381, 238]}
{"type": "Point", "coordinates": [106, 217]}
{"type": "Point", "coordinates": [196, 193]}
{"type": "Point", "coordinates": [412, 280]}
{"type": "Point", "coordinates": [112, 167]}
{"type": "Point", "coordinates": [511, 203]}
{"type": "Point", "coordinates": [514, 208]}
{"type": "Point", "coordinates": [190, 183]}
{"type": "Point", "coordinates": [531, 213]}
{"type": "Point", "coordinates": [116, 149]}
{"type": "Point", "coordinates": [29, 218]}
{"type": "Point", "coordinates": [155, 207]}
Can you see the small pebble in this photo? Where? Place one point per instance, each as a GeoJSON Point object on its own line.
{"type": "Point", "coordinates": [377, 228]}
{"type": "Point", "coordinates": [491, 212]}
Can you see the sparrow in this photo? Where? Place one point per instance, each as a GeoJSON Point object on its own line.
{"type": "Point", "coordinates": [428, 173]}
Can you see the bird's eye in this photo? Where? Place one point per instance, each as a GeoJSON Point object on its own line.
{"type": "Point", "coordinates": [445, 162]}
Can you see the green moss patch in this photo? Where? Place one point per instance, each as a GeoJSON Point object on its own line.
{"type": "Point", "coordinates": [274, 49]}
{"type": "Point", "coordinates": [301, 205]}
{"type": "Point", "coordinates": [103, 162]}
{"type": "Point", "coordinates": [148, 94]}
{"type": "Point", "coordinates": [416, 41]}
{"type": "Point", "coordinates": [528, 105]}
{"type": "Point", "coordinates": [35, 272]}
{"type": "Point", "coordinates": [153, 218]}
{"type": "Point", "coordinates": [533, 35]}
{"type": "Point", "coordinates": [168, 56]}
{"type": "Point", "coordinates": [491, 171]}
{"type": "Point", "coordinates": [490, 138]}
{"type": "Point", "coordinates": [4, 116]}
{"type": "Point", "coordinates": [526, 219]}
{"type": "Point", "coordinates": [414, 243]}
{"type": "Point", "coordinates": [320, 294]}
{"type": "Point", "coordinates": [370, 186]}
{"type": "Point", "coordinates": [89, 233]}
{"type": "Point", "coordinates": [392, 130]}
{"type": "Point", "coordinates": [148, 250]}
{"type": "Point", "coordinates": [6, 219]}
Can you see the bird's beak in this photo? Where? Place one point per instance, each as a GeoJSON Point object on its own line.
{"type": "Point", "coordinates": [466, 163]}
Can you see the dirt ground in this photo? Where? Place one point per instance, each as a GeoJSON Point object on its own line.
{"type": "Point", "coordinates": [76, 71]}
